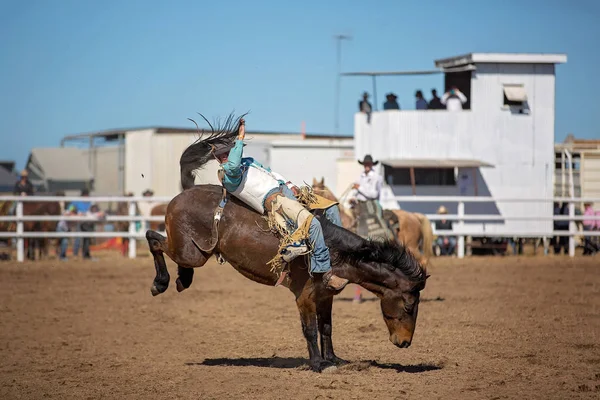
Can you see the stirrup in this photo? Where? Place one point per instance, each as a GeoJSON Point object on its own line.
{"type": "Point", "coordinates": [293, 250]}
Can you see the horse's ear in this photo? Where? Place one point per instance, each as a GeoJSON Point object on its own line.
{"type": "Point", "coordinates": [427, 276]}
{"type": "Point", "coordinates": [314, 181]}
{"type": "Point", "coordinates": [322, 180]}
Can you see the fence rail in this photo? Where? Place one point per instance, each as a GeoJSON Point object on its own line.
{"type": "Point", "coordinates": [460, 232]}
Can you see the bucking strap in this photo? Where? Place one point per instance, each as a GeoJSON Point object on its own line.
{"type": "Point", "coordinates": [214, 237]}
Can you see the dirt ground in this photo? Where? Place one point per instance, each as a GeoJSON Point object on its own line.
{"type": "Point", "coordinates": [488, 328]}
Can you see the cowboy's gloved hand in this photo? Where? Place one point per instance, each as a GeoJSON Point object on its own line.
{"type": "Point", "coordinates": [295, 190]}
{"type": "Point", "coordinates": [242, 129]}
{"type": "Point", "coordinates": [355, 186]}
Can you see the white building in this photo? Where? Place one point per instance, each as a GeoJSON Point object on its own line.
{"type": "Point", "coordinates": [501, 144]}
{"type": "Point", "coordinates": [134, 160]}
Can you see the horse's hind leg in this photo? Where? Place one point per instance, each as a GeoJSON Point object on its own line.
{"type": "Point", "coordinates": [157, 244]}
{"type": "Point", "coordinates": [184, 278]}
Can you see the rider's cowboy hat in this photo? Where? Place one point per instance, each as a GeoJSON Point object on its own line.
{"type": "Point", "coordinates": [368, 159]}
{"type": "Point", "coordinates": [442, 210]}
{"type": "Point", "coordinates": [24, 173]}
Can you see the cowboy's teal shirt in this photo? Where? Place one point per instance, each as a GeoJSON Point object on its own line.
{"type": "Point", "coordinates": [236, 165]}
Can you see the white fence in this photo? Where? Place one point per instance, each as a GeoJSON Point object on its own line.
{"type": "Point", "coordinates": [133, 235]}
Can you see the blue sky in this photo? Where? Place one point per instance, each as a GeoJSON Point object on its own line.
{"type": "Point", "coordinates": [77, 66]}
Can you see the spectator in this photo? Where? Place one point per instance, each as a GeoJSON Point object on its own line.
{"type": "Point", "coordinates": [421, 102]}
{"type": "Point", "coordinates": [23, 187]}
{"type": "Point", "coordinates": [454, 99]}
{"type": "Point", "coordinates": [85, 208]}
{"type": "Point", "coordinates": [447, 244]}
{"type": "Point", "coordinates": [561, 241]}
{"type": "Point", "coordinates": [589, 247]}
{"type": "Point", "coordinates": [65, 226]}
{"type": "Point", "coordinates": [365, 107]}
{"type": "Point", "coordinates": [391, 103]}
{"type": "Point", "coordinates": [435, 103]}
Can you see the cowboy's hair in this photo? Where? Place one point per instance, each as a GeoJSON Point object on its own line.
{"type": "Point", "coordinates": [198, 153]}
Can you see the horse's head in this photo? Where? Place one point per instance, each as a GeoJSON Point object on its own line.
{"type": "Point", "coordinates": [322, 190]}
{"type": "Point", "coordinates": [400, 307]}
{"type": "Point", "coordinates": [386, 269]}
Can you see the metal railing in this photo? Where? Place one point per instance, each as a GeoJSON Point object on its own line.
{"type": "Point", "coordinates": [19, 219]}
{"type": "Point", "coordinates": [460, 217]}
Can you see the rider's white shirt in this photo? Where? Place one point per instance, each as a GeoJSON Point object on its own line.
{"type": "Point", "coordinates": [370, 186]}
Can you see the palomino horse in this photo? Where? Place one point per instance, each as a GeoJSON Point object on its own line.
{"type": "Point", "coordinates": [244, 240]}
{"type": "Point", "coordinates": [412, 228]}
{"type": "Point", "coordinates": [37, 208]}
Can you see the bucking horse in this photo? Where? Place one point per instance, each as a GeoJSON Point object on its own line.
{"type": "Point", "coordinates": [204, 221]}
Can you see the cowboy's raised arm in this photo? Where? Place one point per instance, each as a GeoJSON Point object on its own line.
{"type": "Point", "coordinates": [234, 161]}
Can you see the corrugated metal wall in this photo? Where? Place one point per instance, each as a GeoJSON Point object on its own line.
{"type": "Point", "coordinates": [520, 146]}
{"type": "Point", "coordinates": [105, 168]}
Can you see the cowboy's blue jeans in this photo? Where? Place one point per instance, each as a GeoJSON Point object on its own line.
{"type": "Point", "coordinates": [333, 215]}
{"type": "Point", "coordinates": [320, 261]}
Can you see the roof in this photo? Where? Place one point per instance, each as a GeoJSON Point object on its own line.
{"type": "Point", "coordinates": [113, 134]}
{"type": "Point", "coordinates": [421, 72]}
{"type": "Point", "coordinates": [60, 163]}
{"type": "Point", "coordinates": [519, 58]}
{"type": "Point", "coordinates": [7, 178]}
{"type": "Point", "coordinates": [435, 163]}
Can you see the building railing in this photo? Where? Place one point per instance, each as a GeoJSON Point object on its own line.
{"type": "Point", "coordinates": [19, 219]}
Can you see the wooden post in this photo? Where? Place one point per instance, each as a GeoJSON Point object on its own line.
{"type": "Point", "coordinates": [460, 246]}
{"type": "Point", "coordinates": [412, 181]}
{"type": "Point", "coordinates": [132, 231]}
{"type": "Point", "coordinates": [20, 239]}
{"type": "Point", "coordinates": [572, 229]}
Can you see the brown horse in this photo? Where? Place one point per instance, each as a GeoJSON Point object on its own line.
{"type": "Point", "coordinates": [245, 241]}
{"type": "Point", "coordinates": [411, 229]}
{"type": "Point", "coordinates": [37, 208]}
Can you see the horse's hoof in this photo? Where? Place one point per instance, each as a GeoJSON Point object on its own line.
{"type": "Point", "coordinates": [180, 287]}
{"type": "Point", "coordinates": [322, 366]}
{"type": "Point", "coordinates": [339, 361]}
{"type": "Point", "coordinates": [154, 290]}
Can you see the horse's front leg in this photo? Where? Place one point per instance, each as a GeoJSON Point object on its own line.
{"type": "Point", "coordinates": [308, 317]}
{"type": "Point", "coordinates": [324, 305]}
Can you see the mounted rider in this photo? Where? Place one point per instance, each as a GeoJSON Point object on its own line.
{"type": "Point", "coordinates": [266, 192]}
{"type": "Point", "coordinates": [366, 201]}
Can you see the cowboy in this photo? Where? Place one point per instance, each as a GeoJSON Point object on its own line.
{"type": "Point", "coordinates": [261, 189]}
{"type": "Point", "coordinates": [23, 187]}
{"type": "Point", "coordinates": [370, 183]}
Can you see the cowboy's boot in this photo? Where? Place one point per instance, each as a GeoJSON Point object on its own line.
{"type": "Point", "coordinates": [334, 282]}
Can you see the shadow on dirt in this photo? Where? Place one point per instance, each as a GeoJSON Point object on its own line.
{"type": "Point", "coordinates": [295, 362]}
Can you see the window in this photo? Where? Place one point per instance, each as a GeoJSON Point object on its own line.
{"type": "Point", "coordinates": [514, 95]}
{"type": "Point", "coordinates": [462, 80]}
{"type": "Point", "coordinates": [423, 176]}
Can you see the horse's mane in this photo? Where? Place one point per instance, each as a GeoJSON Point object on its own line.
{"type": "Point", "coordinates": [198, 153]}
{"type": "Point", "coordinates": [349, 248]}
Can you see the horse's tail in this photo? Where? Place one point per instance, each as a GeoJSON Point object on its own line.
{"type": "Point", "coordinates": [427, 234]}
{"type": "Point", "coordinates": [199, 153]}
